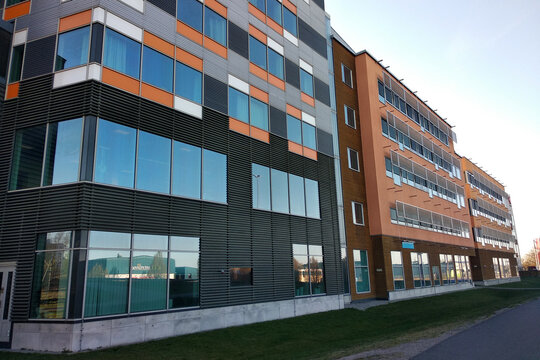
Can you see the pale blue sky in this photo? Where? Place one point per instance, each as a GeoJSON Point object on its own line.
{"type": "Point", "coordinates": [476, 62]}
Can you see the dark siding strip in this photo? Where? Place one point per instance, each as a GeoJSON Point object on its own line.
{"type": "Point", "coordinates": [96, 47]}
{"type": "Point", "coordinates": [322, 91]}
{"type": "Point", "coordinates": [238, 40]}
{"type": "Point", "coordinates": [215, 94]}
{"type": "Point", "coordinates": [325, 142]}
{"type": "Point", "coordinates": [312, 38]}
{"type": "Point", "coordinates": [278, 122]}
{"type": "Point", "coordinates": [168, 6]}
{"type": "Point", "coordinates": [39, 57]}
{"type": "Point", "coordinates": [292, 73]}
{"type": "Point", "coordinates": [320, 3]}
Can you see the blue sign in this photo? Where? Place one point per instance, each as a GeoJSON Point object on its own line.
{"type": "Point", "coordinates": [407, 245]}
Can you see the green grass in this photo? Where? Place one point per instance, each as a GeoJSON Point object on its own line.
{"type": "Point", "coordinates": [525, 283]}
{"type": "Point", "coordinates": [325, 335]}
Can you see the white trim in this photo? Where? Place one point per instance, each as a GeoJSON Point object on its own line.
{"type": "Point", "coordinates": [275, 46]}
{"type": "Point", "coordinates": [124, 27]}
{"type": "Point", "coordinates": [353, 203]}
{"type": "Point", "coordinates": [136, 4]}
{"type": "Point", "coordinates": [308, 118]}
{"type": "Point", "coordinates": [94, 72]}
{"type": "Point", "coordinates": [68, 77]}
{"type": "Point", "coordinates": [349, 150]}
{"type": "Point", "coordinates": [304, 65]}
{"type": "Point", "coordinates": [98, 15]}
{"type": "Point", "coordinates": [188, 107]}
{"type": "Point", "coordinates": [345, 107]}
{"type": "Point", "coordinates": [287, 35]}
{"type": "Point", "coordinates": [20, 37]}
{"type": "Point", "coordinates": [238, 84]}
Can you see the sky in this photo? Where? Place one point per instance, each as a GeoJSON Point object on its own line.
{"type": "Point", "coordinates": [477, 62]}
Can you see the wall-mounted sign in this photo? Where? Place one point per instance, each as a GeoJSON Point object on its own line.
{"type": "Point", "coordinates": [407, 244]}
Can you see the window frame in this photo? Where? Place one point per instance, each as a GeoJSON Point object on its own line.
{"type": "Point", "coordinates": [366, 266]}
{"type": "Point", "coordinates": [354, 214]}
{"type": "Point", "coordinates": [349, 151]}
{"type": "Point", "coordinates": [402, 270]}
{"type": "Point", "coordinates": [344, 78]}
{"type": "Point", "coordinates": [345, 107]}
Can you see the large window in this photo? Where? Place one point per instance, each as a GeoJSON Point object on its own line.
{"type": "Point", "coordinates": [352, 156]}
{"type": "Point", "coordinates": [72, 49]}
{"type": "Point", "coordinates": [357, 213]}
{"type": "Point", "coordinates": [294, 129]}
{"type": "Point", "coordinates": [496, 268]}
{"type": "Point", "coordinates": [122, 54]}
{"type": "Point", "coordinates": [260, 187]}
{"type": "Point", "coordinates": [190, 13]}
{"type": "Point", "coordinates": [275, 64]}
{"type": "Point", "coordinates": [186, 170]}
{"type": "Point", "coordinates": [248, 109]}
{"type": "Point", "coordinates": [308, 267]}
{"type": "Point", "coordinates": [16, 63]}
{"type": "Point", "coordinates": [361, 271]}
{"type": "Point", "coordinates": [274, 10]}
{"type": "Point", "coordinates": [397, 270]}
{"type": "Point", "coordinates": [306, 82]}
{"type": "Point", "coordinates": [312, 199]}
{"type": "Point", "coordinates": [258, 114]}
{"type": "Point", "coordinates": [448, 273]}
{"type": "Point", "coordinates": [153, 163]}
{"type": "Point", "coordinates": [259, 4]}
{"type": "Point", "coordinates": [289, 22]}
{"type": "Point", "coordinates": [214, 176]}
{"type": "Point", "coordinates": [157, 69]}
{"type": "Point", "coordinates": [215, 26]}
{"type": "Point", "coordinates": [296, 195]}
{"type": "Point", "coordinates": [280, 191]}
{"type": "Point", "coordinates": [308, 136]}
{"type": "Point", "coordinates": [444, 269]}
{"type": "Point", "coordinates": [27, 158]}
{"type": "Point", "coordinates": [421, 270]}
{"type": "Point", "coordinates": [257, 52]}
{"type": "Point", "coordinates": [188, 83]}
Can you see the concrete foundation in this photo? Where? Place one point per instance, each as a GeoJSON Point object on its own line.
{"type": "Point", "coordinates": [497, 281]}
{"type": "Point", "coordinates": [88, 335]}
{"type": "Point", "coordinates": [427, 291]}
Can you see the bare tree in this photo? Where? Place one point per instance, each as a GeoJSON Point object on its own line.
{"type": "Point", "coordinates": [529, 260]}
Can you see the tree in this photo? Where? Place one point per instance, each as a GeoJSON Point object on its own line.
{"type": "Point", "coordinates": [529, 260]}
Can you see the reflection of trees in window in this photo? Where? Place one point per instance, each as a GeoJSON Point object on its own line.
{"type": "Point", "coordinates": [158, 267]}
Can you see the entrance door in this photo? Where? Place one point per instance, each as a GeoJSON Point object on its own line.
{"type": "Point", "coordinates": [7, 277]}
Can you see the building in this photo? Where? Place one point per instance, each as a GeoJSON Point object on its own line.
{"type": "Point", "coordinates": [536, 247]}
{"type": "Point", "coordinates": [407, 222]}
{"type": "Point", "coordinates": [166, 167]}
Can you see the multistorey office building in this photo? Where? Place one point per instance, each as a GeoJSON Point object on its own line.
{"type": "Point", "coordinates": [166, 167]}
{"type": "Point", "coordinates": [493, 227]}
{"type": "Point", "coordinates": [406, 215]}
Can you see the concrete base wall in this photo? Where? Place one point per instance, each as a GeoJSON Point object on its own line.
{"type": "Point", "coordinates": [122, 331]}
{"type": "Point", "coordinates": [427, 291]}
{"type": "Point", "coordinates": [497, 281]}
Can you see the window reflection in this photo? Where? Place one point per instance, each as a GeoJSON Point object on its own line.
{"type": "Point", "coordinates": [215, 26]}
{"type": "Point", "coordinates": [27, 158]}
{"type": "Point", "coordinates": [190, 12]}
{"type": "Point", "coordinates": [153, 163]}
{"type": "Point", "coordinates": [72, 48]}
{"type": "Point", "coordinates": [122, 54]}
{"type": "Point", "coordinates": [187, 170]}
{"type": "Point", "coordinates": [214, 176]}
{"type": "Point", "coordinates": [308, 268]}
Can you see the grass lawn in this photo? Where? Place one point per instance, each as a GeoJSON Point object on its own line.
{"type": "Point", "coordinates": [526, 283]}
{"type": "Point", "coordinates": [320, 336]}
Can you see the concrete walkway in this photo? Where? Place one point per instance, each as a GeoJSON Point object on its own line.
{"type": "Point", "coordinates": [365, 304]}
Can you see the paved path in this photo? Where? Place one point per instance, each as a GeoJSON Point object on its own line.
{"type": "Point", "coordinates": [513, 334]}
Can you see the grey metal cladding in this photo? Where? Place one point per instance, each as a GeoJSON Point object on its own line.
{"type": "Point", "coordinates": [88, 149]}
{"type": "Point", "coordinates": [278, 122]}
{"type": "Point", "coordinates": [312, 38]}
{"type": "Point", "coordinates": [215, 94]}
{"type": "Point", "coordinates": [39, 57]}
{"type": "Point", "coordinates": [96, 46]}
{"type": "Point", "coordinates": [320, 3]}
{"type": "Point", "coordinates": [322, 91]}
{"type": "Point", "coordinates": [5, 47]}
{"type": "Point", "coordinates": [292, 73]}
{"type": "Point", "coordinates": [238, 40]}
{"type": "Point", "coordinates": [324, 142]}
{"type": "Point", "coordinates": [168, 6]}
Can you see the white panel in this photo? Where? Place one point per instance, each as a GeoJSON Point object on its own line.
{"type": "Point", "coordinates": [308, 118]}
{"type": "Point", "coordinates": [98, 15]}
{"type": "Point", "coordinates": [238, 84]}
{"type": "Point", "coordinates": [69, 77]}
{"type": "Point", "coordinates": [304, 65]}
{"type": "Point", "coordinates": [188, 107]}
{"type": "Point", "coordinates": [20, 37]}
{"type": "Point", "coordinates": [136, 4]}
{"type": "Point", "coordinates": [306, 1]}
{"type": "Point", "coordinates": [290, 37]}
{"type": "Point", "coordinates": [275, 46]}
{"type": "Point", "coordinates": [94, 72]}
{"type": "Point", "coordinates": [124, 27]}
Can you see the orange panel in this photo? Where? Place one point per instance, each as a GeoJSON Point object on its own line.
{"type": "Point", "coordinates": [189, 59]}
{"type": "Point", "coordinates": [310, 153]}
{"type": "Point", "coordinates": [189, 32]}
{"type": "Point", "coordinates": [215, 47]}
{"type": "Point", "coordinates": [258, 94]}
{"type": "Point", "coordinates": [257, 13]}
{"type": "Point", "coordinates": [277, 82]}
{"type": "Point", "coordinates": [160, 96]}
{"type": "Point", "coordinates": [120, 81]}
{"type": "Point", "coordinates": [275, 26]}
{"type": "Point", "coordinates": [17, 10]}
{"type": "Point", "coordinates": [255, 70]}
{"type": "Point", "coordinates": [238, 126]}
{"type": "Point", "coordinates": [307, 99]}
{"type": "Point", "coordinates": [295, 148]}
{"type": "Point", "coordinates": [289, 6]}
{"type": "Point", "coordinates": [259, 134]}
{"type": "Point", "coordinates": [75, 21]}
{"type": "Point", "coordinates": [12, 91]}
{"type": "Point", "coordinates": [217, 7]}
{"type": "Point", "coordinates": [291, 110]}
{"type": "Point", "coordinates": [257, 34]}
{"type": "Point", "coordinates": [158, 44]}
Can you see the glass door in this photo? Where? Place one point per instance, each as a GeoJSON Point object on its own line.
{"type": "Point", "coordinates": [7, 274]}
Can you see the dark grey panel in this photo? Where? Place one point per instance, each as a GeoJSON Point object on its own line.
{"type": "Point", "coordinates": [312, 38]}
{"type": "Point", "coordinates": [39, 57]}
{"type": "Point", "coordinates": [215, 94]}
{"type": "Point", "coordinates": [325, 142]}
{"type": "Point", "coordinates": [165, 5]}
{"type": "Point", "coordinates": [322, 91]}
{"type": "Point", "coordinates": [320, 3]}
{"type": "Point", "coordinates": [5, 43]}
{"type": "Point", "coordinates": [292, 73]}
{"type": "Point", "coordinates": [215, 131]}
{"type": "Point", "coordinates": [96, 46]}
{"type": "Point", "coordinates": [278, 122]}
{"type": "Point", "coordinates": [238, 40]}
{"type": "Point", "coordinates": [88, 149]}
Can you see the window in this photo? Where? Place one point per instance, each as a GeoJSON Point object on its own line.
{"type": "Point", "coordinates": [183, 272]}
{"type": "Point", "coordinates": [296, 195]}
{"type": "Point", "coordinates": [27, 158]}
{"type": "Point", "coordinates": [451, 271]}
{"type": "Point", "coordinates": [397, 270]}
{"type": "Point", "coordinates": [275, 64]}
{"type": "Point", "coordinates": [16, 63]}
{"type": "Point", "coordinates": [346, 76]}
{"type": "Point", "coordinates": [350, 117]}
{"type": "Point", "coordinates": [294, 129]}
{"type": "Point", "coordinates": [308, 136]}
{"type": "Point", "coordinates": [238, 105]}
{"type": "Point", "coordinates": [258, 114]}
{"type": "Point", "coordinates": [215, 26]}
{"type": "Point", "coordinates": [187, 160]}
{"type": "Point", "coordinates": [381, 92]}
{"type": "Point", "coordinates": [72, 49]}
{"type": "Point", "coordinates": [496, 268]}
{"type": "Point", "coordinates": [361, 271]}
{"type": "Point", "coordinates": [290, 22]}
{"type": "Point", "coordinates": [306, 82]}
{"type": "Point", "coordinates": [312, 199]}
{"type": "Point", "coordinates": [190, 13]}
{"type": "Point", "coordinates": [353, 159]}
{"type": "Point", "coordinates": [260, 187]}
{"type": "Point", "coordinates": [259, 4]}
{"type": "Point", "coordinates": [444, 269]}
{"type": "Point", "coordinates": [358, 213]}
{"type": "Point", "coordinates": [280, 191]}
{"type": "Point", "coordinates": [51, 276]}
{"type": "Point", "coordinates": [436, 276]}
{"type": "Point", "coordinates": [257, 52]}
{"type": "Point", "coordinates": [274, 10]}
{"type": "Point", "coordinates": [153, 163]}
{"type": "Point", "coordinates": [241, 276]}
{"type": "Point", "coordinates": [122, 54]}
{"type": "Point", "coordinates": [214, 176]}
{"type": "Point", "coordinates": [188, 83]}
{"type": "Point", "coordinates": [115, 154]}
{"type": "Point", "coordinates": [388, 165]}
{"type": "Point", "coordinates": [416, 263]}
{"type": "Point", "coordinates": [308, 266]}
{"type": "Point", "coordinates": [157, 69]}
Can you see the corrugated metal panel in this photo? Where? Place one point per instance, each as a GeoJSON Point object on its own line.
{"type": "Point", "coordinates": [168, 6]}
{"type": "Point", "coordinates": [39, 57]}
{"type": "Point", "coordinates": [292, 73]}
{"type": "Point", "coordinates": [238, 40]}
{"type": "Point", "coordinates": [312, 38]}
{"type": "Point", "coordinates": [322, 91]}
{"type": "Point", "coordinates": [215, 94]}
{"type": "Point", "coordinates": [96, 47]}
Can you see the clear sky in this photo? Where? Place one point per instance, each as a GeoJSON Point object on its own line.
{"type": "Point", "coordinates": [478, 63]}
